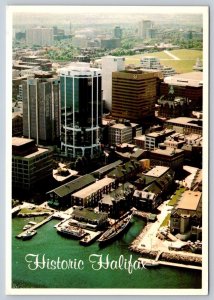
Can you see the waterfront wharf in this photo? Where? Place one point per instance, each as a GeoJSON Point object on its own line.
{"type": "Point", "coordinates": [144, 261]}
{"type": "Point", "coordinates": [15, 210]}
{"type": "Point", "coordinates": [34, 227]}
{"type": "Point", "coordinates": [91, 237]}
{"type": "Point", "coordinates": [141, 214]}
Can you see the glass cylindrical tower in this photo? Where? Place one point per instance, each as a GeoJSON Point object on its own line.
{"type": "Point", "coordinates": [81, 110]}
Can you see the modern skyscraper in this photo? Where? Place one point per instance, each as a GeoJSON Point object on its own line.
{"type": "Point", "coordinates": [81, 110]}
{"type": "Point", "coordinates": [41, 109]}
{"type": "Point", "coordinates": [110, 64]}
{"type": "Point", "coordinates": [39, 36]}
{"type": "Point", "coordinates": [143, 28]}
{"type": "Point", "coordinates": [118, 32]}
{"type": "Point", "coordinates": [134, 94]}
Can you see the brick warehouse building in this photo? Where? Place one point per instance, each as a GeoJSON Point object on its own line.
{"type": "Point", "coordinates": [134, 94]}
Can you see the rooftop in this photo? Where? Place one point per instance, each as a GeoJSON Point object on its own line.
{"type": "Point", "coordinates": [88, 214]}
{"type": "Point", "coordinates": [38, 152]}
{"type": "Point", "coordinates": [157, 171]}
{"type": "Point", "coordinates": [191, 79]}
{"type": "Point", "coordinates": [140, 137]}
{"type": "Point", "coordinates": [93, 188]}
{"type": "Point", "coordinates": [119, 126]}
{"type": "Point", "coordinates": [108, 167]}
{"type": "Point", "coordinates": [160, 133]}
{"type": "Point", "coordinates": [16, 141]}
{"type": "Point", "coordinates": [168, 151]}
{"type": "Point", "coordinates": [73, 185]}
{"type": "Point", "coordinates": [186, 121]}
{"type": "Point", "coordinates": [189, 200]}
{"type": "Point", "coordinates": [144, 195]}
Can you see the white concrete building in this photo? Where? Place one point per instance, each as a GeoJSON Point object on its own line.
{"type": "Point", "coordinates": [39, 36]}
{"type": "Point", "coordinates": [110, 64]}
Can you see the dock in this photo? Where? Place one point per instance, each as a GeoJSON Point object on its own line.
{"type": "Point", "coordinates": [34, 227]}
{"type": "Point", "coordinates": [144, 261]}
{"type": "Point", "coordinates": [90, 237]}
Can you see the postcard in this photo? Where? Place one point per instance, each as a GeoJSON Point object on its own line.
{"type": "Point", "coordinates": [109, 186]}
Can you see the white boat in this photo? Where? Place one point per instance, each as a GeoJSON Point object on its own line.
{"type": "Point", "coordinates": [148, 263]}
{"type": "Point", "coordinates": [28, 235]}
{"type": "Point", "coordinates": [26, 227]}
{"type": "Point", "coordinates": [32, 223]}
{"type": "Point", "coordinates": [71, 231]}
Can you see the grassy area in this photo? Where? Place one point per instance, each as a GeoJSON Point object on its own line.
{"type": "Point", "coordinates": [34, 210]}
{"type": "Point", "coordinates": [166, 221]}
{"type": "Point", "coordinates": [187, 54]}
{"type": "Point", "coordinates": [181, 66]}
{"type": "Point", "coordinates": [184, 65]}
{"type": "Point", "coordinates": [175, 197]}
{"type": "Point", "coordinates": [135, 59]}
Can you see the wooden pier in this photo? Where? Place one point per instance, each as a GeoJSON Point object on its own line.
{"type": "Point", "coordinates": [34, 227]}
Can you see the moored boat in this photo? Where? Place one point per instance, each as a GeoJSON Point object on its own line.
{"type": "Point", "coordinates": [71, 231]}
{"type": "Point", "coordinates": [117, 229]}
{"type": "Point", "coordinates": [26, 227]}
{"type": "Point", "coordinates": [148, 263]}
{"type": "Point", "coordinates": [28, 235]}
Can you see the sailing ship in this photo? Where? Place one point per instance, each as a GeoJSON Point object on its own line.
{"type": "Point", "coordinates": [117, 229]}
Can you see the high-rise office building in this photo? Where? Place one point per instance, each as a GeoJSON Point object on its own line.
{"type": "Point", "coordinates": [110, 64]}
{"type": "Point", "coordinates": [40, 36]}
{"type": "Point", "coordinates": [118, 32]}
{"type": "Point", "coordinates": [41, 109]}
{"type": "Point", "coordinates": [31, 165]}
{"type": "Point", "coordinates": [81, 110]}
{"type": "Point", "coordinates": [144, 27]}
{"type": "Point", "coordinates": [134, 94]}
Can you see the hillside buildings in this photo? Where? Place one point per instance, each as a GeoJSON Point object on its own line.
{"type": "Point", "coordinates": [110, 64]}
{"type": "Point", "coordinates": [134, 94]}
{"type": "Point", "coordinates": [81, 110]}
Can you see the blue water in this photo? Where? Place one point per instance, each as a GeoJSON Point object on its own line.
{"type": "Point", "coordinates": [48, 242]}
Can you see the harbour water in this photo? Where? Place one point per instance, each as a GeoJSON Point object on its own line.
{"type": "Point", "coordinates": [47, 242]}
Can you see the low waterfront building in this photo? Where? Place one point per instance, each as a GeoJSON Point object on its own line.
{"type": "Point", "coordinates": [90, 218]}
{"type": "Point", "coordinates": [31, 165]}
{"type": "Point", "coordinates": [90, 195]}
{"type": "Point", "coordinates": [61, 196]}
{"type": "Point", "coordinates": [187, 214]}
{"type": "Point", "coordinates": [117, 202]}
{"type": "Point", "coordinates": [152, 188]}
{"type": "Point", "coordinates": [147, 201]}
